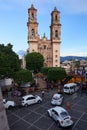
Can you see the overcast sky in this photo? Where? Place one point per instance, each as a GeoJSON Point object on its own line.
{"type": "Point", "coordinates": [73, 17]}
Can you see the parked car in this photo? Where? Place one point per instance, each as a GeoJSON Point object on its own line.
{"type": "Point", "coordinates": [8, 104]}
{"type": "Point", "coordinates": [30, 99]}
{"type": "Point", "coordinates": [57, 99]}
{"type": "Point", "coordinates": [61, 116]}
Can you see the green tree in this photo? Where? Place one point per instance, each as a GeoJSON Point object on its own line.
{"type": "Point", "coordinates": [9, 61]}
{"type": "Point", "coordinates": [45, 70]}
{"type": "Point", "coordinates": [34, 61]}
{"type": "Point", "coordinates": [56, 74]}
{"type": "Point", "coordinates": [23, 76]}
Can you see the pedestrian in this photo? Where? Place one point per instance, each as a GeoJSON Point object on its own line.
{"type": "Point", "coordinates": [42, 94]}
{"type": "Point", "coordinates": [68, 105]}
{"type": "Point", "coordinates": [80, 89]}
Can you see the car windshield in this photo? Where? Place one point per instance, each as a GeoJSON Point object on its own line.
{"type": "Point", "coordinates": [64, 114]}
{"type": "Point", "coordinates": [66, 88]}
{"type": "Point", "coordinates": [55, 98]}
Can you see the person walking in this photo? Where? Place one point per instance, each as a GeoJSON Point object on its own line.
{"type": "Point", "coordinates": [43, 94]}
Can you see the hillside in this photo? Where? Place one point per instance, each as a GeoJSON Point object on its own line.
{"type": "Point", "coordinates": [72, 58]}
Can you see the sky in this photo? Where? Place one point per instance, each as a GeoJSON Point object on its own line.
{"type": "Point", "coordinates": [73, 18]}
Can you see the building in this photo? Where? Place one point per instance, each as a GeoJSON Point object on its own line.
{"type": "Point", "coordinates": [49, 48]}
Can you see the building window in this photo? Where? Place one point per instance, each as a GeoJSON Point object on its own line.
{"type": "Point", "coordinates": [33, 50]}
{"type": "Point", "coordinates": [56, 18]}
{"type": "Point", "coordinates": [55, 55]}
{"type": "Point", "coordinates": [32, 15]}
{"type": "Point", "coordinates": [56, 60]}
{"type": "Point", "coordinates": [56, 51]}
{"type": "Point", "coordinates": [44, 46]}
{"type": "Point", "coordinates": [56, 65]}
{"type": "Point", "coordinates": [33, 32]}
{"type": "Point", "coordinates": [56, 33]}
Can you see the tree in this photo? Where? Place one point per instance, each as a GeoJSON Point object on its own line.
{"type": "Point", "coordinates": [56, 74]}
{"type": "Point", "coordinates": [34, 61]}
{"type": "Point", "coordinates": [23, 76]}
{"type": "Point", "coordinates": [9, 61]}
{"type": "Point", "coordinates": [45, 70]}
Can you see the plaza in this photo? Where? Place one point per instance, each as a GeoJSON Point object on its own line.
{"type": "Point", "coordinates": [35, 117]}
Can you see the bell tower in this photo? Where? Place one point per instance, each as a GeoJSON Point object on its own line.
{"type": "Point", "coordinates": [49, 48]}
{"type": "Point", "coordinates": [55, 32]}
{"type": "Point", "coordinates": [32, 25]}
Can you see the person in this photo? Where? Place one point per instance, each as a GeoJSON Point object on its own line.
{"type": "Point", "coordinates": [59, 88]}
{"type": "Point", "coordinates": [68, 105]}
{"type": "Point", "coordinates": [42, 94]}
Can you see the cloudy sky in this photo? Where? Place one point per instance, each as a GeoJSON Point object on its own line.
{"type": "Point", "coordinates": [73, 17]}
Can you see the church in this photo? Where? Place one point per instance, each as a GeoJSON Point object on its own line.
{"type": "Point", "coordinates": [49, 48]}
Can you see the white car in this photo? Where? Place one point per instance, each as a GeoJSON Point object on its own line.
{"type": "Point", "coordinates": [8, 104]}
{"type": "Point", "coordinates": [61, 116]}
{"type": "Point", "coordinates": [57, 99]}
{"type": "Point", "coordinates": [30, 99]}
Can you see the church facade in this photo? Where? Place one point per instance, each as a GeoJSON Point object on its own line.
{"type": "Point", "coordinates": [49, 48]}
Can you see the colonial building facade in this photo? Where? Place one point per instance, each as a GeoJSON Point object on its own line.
{"type": "Point", "coordinates": [49, 48]}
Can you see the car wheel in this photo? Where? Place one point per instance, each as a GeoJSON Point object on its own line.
{"type": "Point", "coordinates": [10, 107]}
{"type": "Point", "coordinates": [26, 105]}
{"type": "Point", "coordinates": [39, 101]}
{"type": "Point", "coordinates": [48, 114]}
{"type": "Point", "coordinates": [58, 123]}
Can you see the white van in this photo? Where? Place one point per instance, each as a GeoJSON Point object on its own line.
{"type": "Point", "coordinates": [70, 88]}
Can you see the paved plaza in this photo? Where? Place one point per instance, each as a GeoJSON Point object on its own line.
{"type": "Point", "coordinates": [35, 117]}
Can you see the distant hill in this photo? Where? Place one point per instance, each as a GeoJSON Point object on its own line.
{"type": "Point", "coordinates": [63, 58]}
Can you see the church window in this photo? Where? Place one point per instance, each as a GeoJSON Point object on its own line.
{"type": "Point", "coordinates": [44, 46]}
{"type": "Point", "coordinates": [33, 50]}
{"type": "Point", "coordinates": [32, 15]}
{"type": "Point", "coordinates": [55, 17]}
{"type": "Point", "coordinates": [33, 32]}
{"type": "Point", "coordinates": [56, 33]}
{"type": "Point", "coordinates": [56, 50]}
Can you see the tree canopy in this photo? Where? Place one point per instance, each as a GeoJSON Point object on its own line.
{"type": "Point", "coordinates": [45, 70]}
{"type": "Point", "coordinates": [9, 61]}
{"type": "Point", "coordinates": [56, 74]}
{"type": "Point", "coordinates": [34, 61]}
{"type": "Point", "coordinates": [23, 76]}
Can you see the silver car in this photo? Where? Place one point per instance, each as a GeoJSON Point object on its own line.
{"type": "Point", "coordinates": [61, 116]}
{"type": "Point", "coordinates": [57, 99]}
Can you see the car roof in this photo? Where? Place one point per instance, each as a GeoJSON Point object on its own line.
{"type": "Point", "coordinates": [26, 96]}
{"type": "Point", "coordinates": [57, 95]}
{"type": "Point", "coordinates": [59, 109]}
{"type": "Point", "coordinates": [69, 84]}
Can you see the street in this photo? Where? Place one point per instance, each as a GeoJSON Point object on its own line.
{"type": "Point", "coordinates": [35, 117]}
